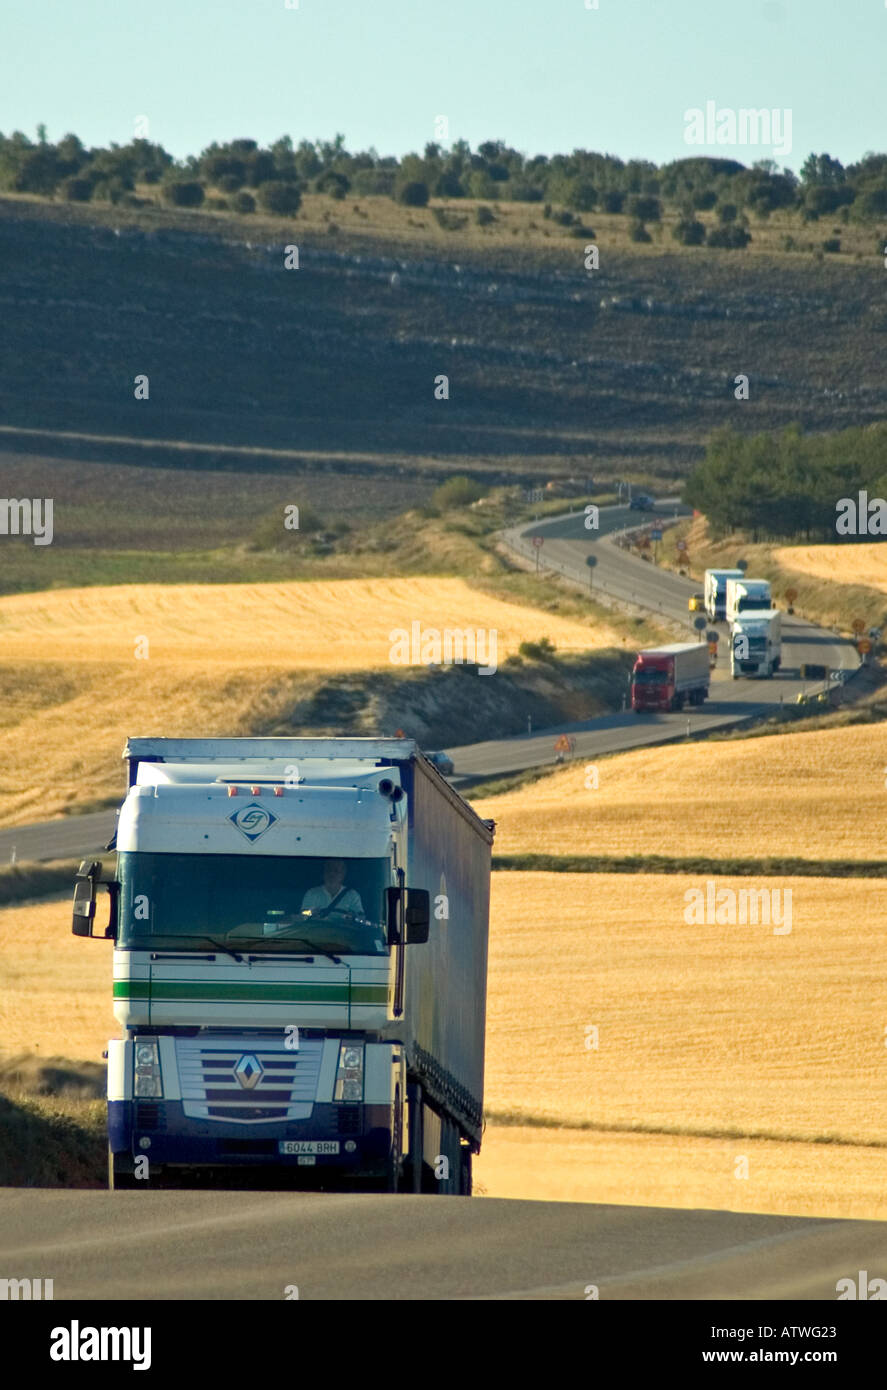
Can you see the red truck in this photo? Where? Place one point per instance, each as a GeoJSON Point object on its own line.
{"type": "Point", "coordinates": [665, 678]}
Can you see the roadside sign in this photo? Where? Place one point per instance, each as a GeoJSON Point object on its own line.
{"type": "Point", "coordinates": [699, 622]}
{"type": "Point", "coordinates": [682, 545]}
{"type": "Point", "coordinates": [863, 646]}
{"type": "Point", "coordinates": [655, 533]}
{"type": "Point", "coordinates": [538, 540]}
{"type": "Point", "coordinates": [591, 561]}
{"type": "Point", "coordinates": [713, 637]}
{"type": "Point", "coordinates": [791, 595]}
{"type": "Point", "coordinates": [858, 625]}
{"type": "Point", "coordinates": [742, 565]}
{"type": "Point", "coordinates": [839, 676]}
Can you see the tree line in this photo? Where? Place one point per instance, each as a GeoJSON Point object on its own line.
{"type": "Point", "coordinates": [583, 181]}
{"type": "Point", "coordinates": [787, 484]}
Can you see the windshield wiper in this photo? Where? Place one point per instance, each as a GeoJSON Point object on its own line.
{"type": "Point", "coordinates": [312, 948]}
{"type": "Point", "coordinates": [220, 946]}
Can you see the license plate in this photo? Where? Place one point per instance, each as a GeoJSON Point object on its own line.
{"type": "Point", "coordinates": [305, 1146]}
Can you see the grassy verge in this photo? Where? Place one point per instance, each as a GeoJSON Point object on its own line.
{"type": "Point", "coordinates": [52, 1141]}
{"type": "Point", "coordinates": [27, 882]}
{"type": "Point", "coordinates": [790, 866]}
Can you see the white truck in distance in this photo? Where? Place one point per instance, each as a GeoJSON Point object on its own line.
{"type": "Point", "coordinates": [300, 963]}
{"type": "Point", "coordinates": [716, 592]}
{"type": "Point", "coordinates": [747, 596]}
{"type": "Point", "coordinates": [756, 644]}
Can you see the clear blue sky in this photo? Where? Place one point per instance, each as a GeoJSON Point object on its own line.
{"type": "Point", "coordinates": [544, 75]}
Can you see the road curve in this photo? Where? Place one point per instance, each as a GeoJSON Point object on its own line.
{"type": "Point", "coordinates": [629, 579]}
{"type": "Point", "coordinates": [626, 577]}
{"type": "Point", "coordinates": [253, 1245]}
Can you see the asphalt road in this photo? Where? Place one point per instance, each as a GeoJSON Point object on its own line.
{"type": "Point", "coordinates": [252, 1245]}
{"type": "Point", "coordinates": [629, 579]}
{"type": "Point", "coordinates": [623, 576]}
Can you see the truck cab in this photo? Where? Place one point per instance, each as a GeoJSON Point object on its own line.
{"type": "Point", "coordinates": [267, 917]}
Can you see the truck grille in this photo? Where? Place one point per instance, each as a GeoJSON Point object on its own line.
{"type": "Point", "coordinates": [248, 1082]}
{"type": "Point", "coordinates": [348, 1118]}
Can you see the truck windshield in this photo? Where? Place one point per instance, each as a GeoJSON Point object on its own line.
{"type": "Point", "coordinates": [262, 903]}
{"type": "Point", "coordinates": [648, 675]}
{"type": "Point", "coordinates": [749, 604]}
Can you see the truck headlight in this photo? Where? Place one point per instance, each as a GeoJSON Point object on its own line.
{"type": "Point", "coordinates": [349, 1075]}
{"type": "Point", "coordinates": [147, 1080]}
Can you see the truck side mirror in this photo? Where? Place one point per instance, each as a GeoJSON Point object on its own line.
{"type": "Point", "coordinates": [85, 886]}
{"type": "Point", "coordinates": [418, 916]}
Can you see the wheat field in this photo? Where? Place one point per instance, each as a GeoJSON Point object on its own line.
{"type": "Point", "coordinates": [220, 659]}
{"type": "Point", "coordinates": [818, 795]}
{"type": "Point", "coordinates": [714, 1043]}
{"type": "Point", "coordinates": [865, 563]}
{"type": "Point", "coordinates": [334, 625]}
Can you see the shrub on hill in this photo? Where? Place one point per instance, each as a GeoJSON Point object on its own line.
{"type": "Point", "coordinates": [281, 199]}
{"type": "Point", "coordinates": [733, 237]}
{"type": "Point", "coordinates": [643, 208]}
{"type": "Point", "coordinates": [689, 232]}
{"type": "Point", "coordinates": [182, 193]}
{"type": "Point", "coordinates": [458, 491]}
{"type": "Point", "coordinates": [413, 194]}
{"type": "Point", "coordinates": [75, 190]}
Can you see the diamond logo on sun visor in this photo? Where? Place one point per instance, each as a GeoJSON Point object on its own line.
{"type": "Point", "coordinates": [248, 1071]}
{"type": "Point", "coordinates": [253, 820]}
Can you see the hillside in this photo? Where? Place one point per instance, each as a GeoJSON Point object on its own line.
{"type": "Point", "coordinates": [552, 369]}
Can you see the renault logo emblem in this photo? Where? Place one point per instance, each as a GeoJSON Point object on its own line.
{"type": "Point", "coordinates": [248, 1071]}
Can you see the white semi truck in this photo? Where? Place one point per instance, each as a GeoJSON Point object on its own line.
{"type": "Point", "coordinates": [716, 592]}
{"type": "Point", "coordinates": [747, 596]}
{"type": "Point", "coordinates": [756, 644]}
{"type": "Point", "coordinates": [300, 961]}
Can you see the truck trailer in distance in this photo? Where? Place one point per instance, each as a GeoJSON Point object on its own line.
{"type": "Point", "coordinates": [716, 592]}
{"type": "Point", "coordinates": [756, 644]}
{"type": "Point", "coordinates": [300, 963]}
{"type": "Point", "coordinates": [747, 596]}
{"type": "Point", "coordinates": [665, 678]}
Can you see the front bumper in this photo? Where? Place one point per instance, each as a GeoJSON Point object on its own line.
{"type": "Point", "coordinates": [182, 1141]}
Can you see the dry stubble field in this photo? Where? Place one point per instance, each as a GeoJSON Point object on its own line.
{"type": "Point", "coordinates": [716, 1043]}
{"type": "Point", "coordinates": [818, 795]}
{"type": "Point", "coordinates": [219, 658]}
{"type": "Point", "coordinates": [865, 563]}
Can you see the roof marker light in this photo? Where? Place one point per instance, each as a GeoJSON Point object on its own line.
{"type": "Point", "coordinates": [232, 791]}
{"type": "Point", "coordinates": [256, 791]}
{"type": "Point", "coordinates": [278, 791]}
